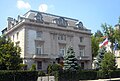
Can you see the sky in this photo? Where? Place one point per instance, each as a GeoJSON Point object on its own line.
{"type": "Point", "coordinates": [92, 13]}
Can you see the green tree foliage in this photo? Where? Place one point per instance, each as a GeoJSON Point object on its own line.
{"type": "Point", "coordinates": [33, 67]}
{"type": "Point", "coordinates": [95, 45]}
{"type": "Point", "coordinates": [98, 34]}
{"type": "Point", "coordinates": [9, 55]}
{"type": "Point", "coordinates": [108, 63]}
{"type": "Point", "coordinates": [109, 32]}
{"type": "Point", "coordinates": [53, 67]}
{"type": "Point", "coordinates": [100, 56]}
{"type": "Point", "coordinates": [70, 62]}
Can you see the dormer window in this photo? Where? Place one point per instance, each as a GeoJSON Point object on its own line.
{"type": "Point", "coordinates": [80, 25]}
{"type": "Point", "coordinates": [61, 22]}
{"type": "Point", "coordinates": [38, 17]}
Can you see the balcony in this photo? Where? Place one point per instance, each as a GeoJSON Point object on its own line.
{"type": "Point", "coordinates": [41, 56]}
{"type": "Point", "coordinates": [83, 58]}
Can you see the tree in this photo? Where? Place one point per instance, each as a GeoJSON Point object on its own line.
{"type": "Point", "coordinates": [70, 62]}
{"type": "Point", "coordinates": [99, 57]}
{"type": "Point", "coordinates": [95, 45]}
{"type": "Point", "coordinates": [109, 32]}
{"type": "Point", "coordinates": [108, 63]}
{"type": "Point", "coordinates": [53, 67]}
{"type": "Point", "coordinates": [9, 55]}
{"type": "Point", "coordinates": [98, 34]}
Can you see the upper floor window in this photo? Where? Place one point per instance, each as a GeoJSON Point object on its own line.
{"type": "Point", "coordinates": [62, 50]}
{"type": "Point", "coordinates": [82, 50]}
{"type": "Point", "coordinates": [39, 50]}
{"type": "Point", "coordinates": [38, 17]}
{"type": "Point", "coordinates": [60, 22]}
{"type": "Point", "coordinates": [61, 37]}
{"type": "Point", "coordinates": [81, 39]}
{"type": "Point", "coordinates": [39, 34]}
{"type": "Point", "coordinates": [80, 25]}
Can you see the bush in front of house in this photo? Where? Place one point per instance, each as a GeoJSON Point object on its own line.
{"type": "Point", "coordinates": [7, 75]}
{"type": "Point", "coordinates": [112, 74]}
{"type": "Point", "coordinates": [53, 67]}
{"type": "Point", "coordinates": [67, 75]}
{"type": "Point", "coordinates": [41, 73]}
{"type": "Point", "coordinates": [33, 67]}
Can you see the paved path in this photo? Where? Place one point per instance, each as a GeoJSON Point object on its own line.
{"type": "Point", "coordinates": [112, 79]}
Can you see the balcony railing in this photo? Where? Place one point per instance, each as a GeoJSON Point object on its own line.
{"type": "Point", "coordinates": [83, 58]}
{"type": "Point", "coordinates": [35, 56]}
{"type": "Point", "coordinates": [45, 56]}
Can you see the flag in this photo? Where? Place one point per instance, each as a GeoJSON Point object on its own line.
{"type": "Point", "coordinates": [115, 45]}
{"type": "Point", "coordinates": [104, 43]}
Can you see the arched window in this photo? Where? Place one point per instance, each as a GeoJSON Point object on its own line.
{"type": "Point", "coordinates": [38, 17]}
{"type": "Point", "coordinates": [80, 25]}
{"type": "Point", "coordinates": [61, 22]}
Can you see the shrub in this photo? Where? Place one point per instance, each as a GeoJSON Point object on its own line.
{"type": "Point", "coordinates": [53, 67]}
{"type": "Point", "coordinates": [18, 75]}
{"type": "Point", "coordinates": [33, 68]}
{"type": "Point", "coordinates": [41, 73]}
{"type": "Point", "coordinates": [88, 75]}
{"type": "Point", "coordinates": [23, 66]}
{"type": "Point", "coordinates": [67, 75]}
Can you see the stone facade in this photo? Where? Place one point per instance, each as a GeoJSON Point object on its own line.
{"type": "Point", "coordinates": [45, 37]}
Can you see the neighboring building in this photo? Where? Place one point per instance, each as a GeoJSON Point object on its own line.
{"type": "Point", "coordinates": [117, 52]}
{"type": "Point", "coordinates": [44, 37]}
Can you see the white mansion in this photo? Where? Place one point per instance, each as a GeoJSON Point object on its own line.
{"type": "Point", "coordinates": [44, 37]}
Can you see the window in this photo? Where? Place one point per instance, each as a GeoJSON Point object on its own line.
{"type": "Point", "coordinates": [39, 34]}
{"type": "Point", "coordinates": [80, 25]}
{"type": "Point", "coordinates": [60, 22]}
{"type": "Point", "coordinates": [82, 65]}
{"type": "Point", "coordinates": [38, 17]}
{"type": "Point", "coordinates": [81, 39]}
{"type": "Point", "coordinates": [62, 50]}
{"type": "Point", "coordinates": [61, 37]}
{"type": "Point", "coordinates": [39, 65]}
{"type": "Point", "coordinates": [39, 50]}
{"type": "Point", "coordinates": [81, 50]}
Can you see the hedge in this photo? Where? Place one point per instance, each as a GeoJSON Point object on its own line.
{"type": "Point", "coordinates": [18, 75]}
{"type": "Point", "coordinates": [112, 74]}
{"type": "Point", "coordinates": [76, 75]}
{"type": "Point", "coordinates": [85, 75]}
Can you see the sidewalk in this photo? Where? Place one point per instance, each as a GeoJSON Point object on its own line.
{"type": "Point", "coordinates": [112, 79]}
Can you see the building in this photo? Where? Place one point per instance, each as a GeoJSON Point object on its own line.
{"type": "Point", "coordinates": [44, 37]}
{"type": "Point", "coordinates": [117, 51]}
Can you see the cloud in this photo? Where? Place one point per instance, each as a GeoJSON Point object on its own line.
{"type": "Point", "coordinates": [43, 7]}
{"type": "Point", "coordinates": [23, 5]}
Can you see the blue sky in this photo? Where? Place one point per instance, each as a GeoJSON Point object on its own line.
{"type": "Point", "coordinates": [91, 12]}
